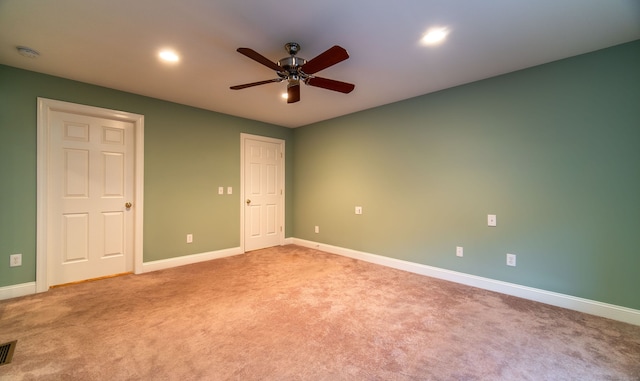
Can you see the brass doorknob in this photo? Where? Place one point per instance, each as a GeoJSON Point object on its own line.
{"type": "Point", "coordinates": [127, 205]}
{"type": "Point", "coordinates": [248, 201]}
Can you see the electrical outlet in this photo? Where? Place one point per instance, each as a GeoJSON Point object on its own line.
{"type": "Point", "coordinates": [459, 251]}
{"type": "Point", "coordinates": [189, 238]}
{"type": "Point", "coordinates": [15, 260]}
{"type": "Point", "coordinates": [511, 260]}
{"type": "Point", "coordinates": [317, 229]}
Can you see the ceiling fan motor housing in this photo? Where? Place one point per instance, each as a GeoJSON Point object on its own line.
{"type": "Point", "coordinates": [292, 62]}
{"type": "Point", "coordinates": [291, 65]}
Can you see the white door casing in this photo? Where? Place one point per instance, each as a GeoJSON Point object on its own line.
{"type": "Point", "coordinates": [263, 192]}
{"type": "Point", "coordinates": [89, 166]}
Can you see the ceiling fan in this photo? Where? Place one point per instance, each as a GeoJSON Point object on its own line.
{"type": "Point", "coordinates": [294, 69]}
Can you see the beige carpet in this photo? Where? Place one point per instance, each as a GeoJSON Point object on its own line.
{"type": "Point", "coordinates": [292, 313]}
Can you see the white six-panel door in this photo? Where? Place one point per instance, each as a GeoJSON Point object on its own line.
{"type": "Point", "coordinates": [91, 182]}
{"type": "Point", "coordinates": [263, 193]}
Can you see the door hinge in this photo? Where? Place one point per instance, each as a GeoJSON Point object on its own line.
{"type": "Point", "coordinates": [280, 228]}
{"type": "Point", "coordinates": [281, 155]}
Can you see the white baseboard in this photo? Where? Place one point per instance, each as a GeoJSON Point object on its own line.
{"type": "Point", "coordinates": [610, 311]}
{"type": "Point", "coordinates": [188, 259]}
{"type": "Point", "coordinates": [23, 289]}
{"type": "Point", "coordinates": [17, 290]}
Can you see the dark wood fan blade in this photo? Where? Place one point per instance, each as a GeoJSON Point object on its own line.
{"type": "Point", "coordinates": [331, 84]}
{"type": "Point", "coordinates": [259, 58]}
{"type": "Point", "coordinates": [293, 93]}
{"type": "Point", "coordinates": [240, 87]}
{"type": "Point", "coordinates": [330, 57]}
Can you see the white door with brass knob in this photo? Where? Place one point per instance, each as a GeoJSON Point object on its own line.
{"type": "Point", "coordinates": [90, 202]}
{"type": "Point", "coordinates": [263, 187]}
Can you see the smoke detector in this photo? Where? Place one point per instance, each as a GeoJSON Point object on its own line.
{"type": "Point", "coordinates": [28, 52]}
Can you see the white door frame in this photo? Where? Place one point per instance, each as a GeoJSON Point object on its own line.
{"type": "Point", "coordinates": [45, 108]}
{"type": "Point", "coordinates": [243, 138]}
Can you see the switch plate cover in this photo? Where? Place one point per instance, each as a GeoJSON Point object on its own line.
{"type": "Point", "coordinates": [358, 210]}
{"type": "Point", "coordinates": [491, 220]}
{"type": "Point", "coordinates": [459, 251]}
{"type": "Point", "coordinates": [511, 260]}
{"type": "Point", "coordinates": [15, 260]}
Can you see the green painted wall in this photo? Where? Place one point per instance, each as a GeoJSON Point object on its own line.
{"type": "Point", "coordinates": [189, 152]}
{"type": "Point", "coordinates": [553, 150]}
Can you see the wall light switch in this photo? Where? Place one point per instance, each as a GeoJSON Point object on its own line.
{"type": "Point", "coordinates": [317, 229]}
{"type": "Point", "coordinates": [189, 238]}
{"type": "Point", "coordinates": [491, 220]}
{"type": "Point", "coordinates": [459, 251]}
{"type": "Point", "coordinates": [229, 190]}
{"type": "Point", "coordinates": [358, 210]}
{"type": "Point", "coordinates": [220, 190]}
{"type": "Point", "coordinates": [511, 260]}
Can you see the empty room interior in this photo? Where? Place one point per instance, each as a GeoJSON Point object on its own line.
{"type": "Point", "coordinates": [295, 190]}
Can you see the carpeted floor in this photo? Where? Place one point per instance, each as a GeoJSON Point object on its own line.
{"type": "Point", "coordinates": [291, 313]}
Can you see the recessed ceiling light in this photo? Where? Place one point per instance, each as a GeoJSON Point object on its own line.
{"type": "Point", "coordinates": [435, 36]}
{"type": "Point", "coordinates": [169, 56]}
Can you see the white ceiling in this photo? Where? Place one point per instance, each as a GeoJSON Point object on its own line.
{"type": "Point", "coordinates": [114, 43]}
